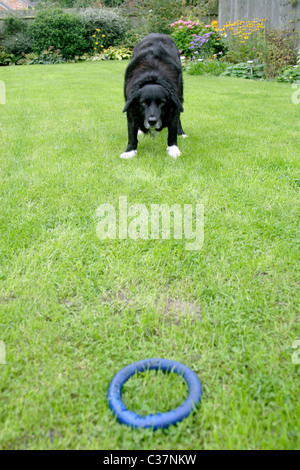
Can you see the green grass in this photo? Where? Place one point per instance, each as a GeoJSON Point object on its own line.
{"type": "Point", "coordinates": [75, 309]}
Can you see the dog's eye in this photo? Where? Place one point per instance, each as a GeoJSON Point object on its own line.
{"type": "Point", "coordinates": [144, 104]}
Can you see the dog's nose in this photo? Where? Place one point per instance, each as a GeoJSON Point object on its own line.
{"type": "Point", "coordinates": [152, 120]}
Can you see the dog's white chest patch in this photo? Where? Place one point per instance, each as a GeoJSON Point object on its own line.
{"type": "Point", "coordinates": [173, 151]}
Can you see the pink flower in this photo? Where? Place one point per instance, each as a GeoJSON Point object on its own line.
{"type": "Point", "coordinates": [189, 26]}
{"type": "Point", "coordinates": [180, 27]}
{"type": "Point", "coordinates": [207, 26]}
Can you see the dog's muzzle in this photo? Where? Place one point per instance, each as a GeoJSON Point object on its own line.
{"type": "Point", "coordinates": [153, 123]}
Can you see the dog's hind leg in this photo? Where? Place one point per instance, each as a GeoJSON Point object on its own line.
{"type": "Point", "coordinates": [180, 130]}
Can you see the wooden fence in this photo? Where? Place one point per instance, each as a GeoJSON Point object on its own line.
{"type": "Point", "coordinates": [279, 13]}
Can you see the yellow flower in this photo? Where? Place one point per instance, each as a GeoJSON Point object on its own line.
{"type": "Point", "coordinates": [103, 35]}
{"type": "Point", "coordinates": [98, 30]}
{"type": "Point", "coordinates": [96, 43]}
{"type": "Point", "coordinates": [95, 48]}
{"type": "Point", "coordinates": [94, 35]}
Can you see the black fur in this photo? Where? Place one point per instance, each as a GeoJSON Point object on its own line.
{"type": "Point", "coordinates": [154, 89]}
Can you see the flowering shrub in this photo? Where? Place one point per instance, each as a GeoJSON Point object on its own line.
{"type": "Point", "coordinates": [202, 46]}
{"type": "Point", "coordinates": [110, 23]}
{"type": "Point", "coordinates": [194, 39]}
{"type": "Point", "coordinates": [243, 39]}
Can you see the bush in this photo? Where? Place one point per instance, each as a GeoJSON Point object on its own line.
{"type": "Point", "coordinates": [112, 3]}
{"type": "Point", "coordinates": [111, 24]}
{"type": "Point", "coordinates": [18, 43]}
{"type": "Point", "coordinates": [15, 35]}
{"type": "Point", "coordinates": [131, 39]}
{"type": "Point", "coordinates": [13, 25]}
{"type": "Point", "coordinates": [277, 51]}
{"type": "Point", "coordinates": [290, 74]}
{"type": "Point", "coordinates": [61, 30]}
{"type": "Point", "coordinates": [158, 14]}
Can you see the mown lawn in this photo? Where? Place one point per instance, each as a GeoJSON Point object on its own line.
{"type": "Point", "coordinates": [76, 309]}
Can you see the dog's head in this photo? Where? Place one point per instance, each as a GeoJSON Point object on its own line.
{"type": "Point", "coordinates": [154, 102]}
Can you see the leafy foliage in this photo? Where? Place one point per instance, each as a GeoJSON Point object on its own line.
{"type": "Point", "coordinates": [244, 70]}
{"type": "Point", "coordinates": [114, 53]}
{"type": "Point", "coordinates": [13, 25]}
{"type": "Point", "coordinates": [5, 56]}
{"type": "Point", "coordinates": [206, 67]}
{"type": "Point", "coordinates": [290, 74]}
{"type": "Point", "coordinates": [48, 57]}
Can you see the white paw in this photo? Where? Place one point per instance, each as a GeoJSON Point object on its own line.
{"type": "Point", "coordinates": [173, 151]}
{"type": "Point", "coordinates": [184, 136]}
{"type": "Point", "coordinates": [128, 155]}
{"type": "Point", "coordinates": [140, 132]}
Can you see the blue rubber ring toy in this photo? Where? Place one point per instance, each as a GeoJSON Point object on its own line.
{"type": "Point", "coordinates": [158, 420]}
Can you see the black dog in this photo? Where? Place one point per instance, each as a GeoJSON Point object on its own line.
{"type": "Point", "coordinates": [154, 92]}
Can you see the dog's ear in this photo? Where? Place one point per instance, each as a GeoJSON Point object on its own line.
{"type": "Point", "coordinates": [132, 98]}
{"type": "Point", "coordinates": [177, 102]}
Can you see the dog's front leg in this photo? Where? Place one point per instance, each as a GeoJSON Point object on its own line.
{"type": "Point", "coordinates": [131, 149]}
{"type": "Point", "coordinates": [172, 148]}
